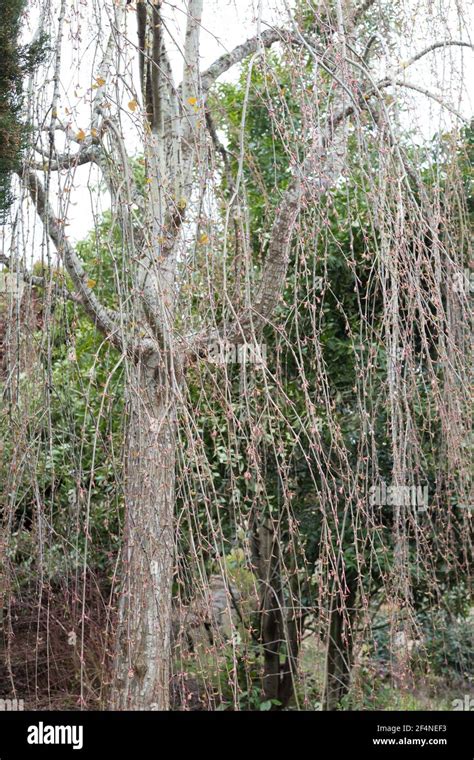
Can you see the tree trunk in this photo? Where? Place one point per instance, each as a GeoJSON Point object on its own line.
{"type": "Point", "coordinates": [142, 658]}
{"type": "Point", "coordinates": [279, 625]}
{"type": "Point", "coordinates": [340, 648]}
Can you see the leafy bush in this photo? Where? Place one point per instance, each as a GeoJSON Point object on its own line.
{"type": "Point", "coordinates": [18, 61]}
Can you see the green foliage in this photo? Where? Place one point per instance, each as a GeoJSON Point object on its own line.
{"type": "Point", "coordinates": [78, 451]}
{"type": "Point", "coordinates": [448, 635]}
{"type": "Point", "coordinates": [449, 645]}
{"type": "Point", "coordinates": [18, 61]}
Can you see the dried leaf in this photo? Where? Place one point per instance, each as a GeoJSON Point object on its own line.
{"type": "Point", "coordinates": [72, 638]}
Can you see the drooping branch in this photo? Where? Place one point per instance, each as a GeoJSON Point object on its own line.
{"type": "Point", "coordinates": [117, 168]}
{"type": "Point", "coordinates": [436, 46]}
{"type": "Point", "coordinates": [374, 88]}
{"type": "Point", "coordinates": [87, 154]}
{"type": "Point", "coordinates": [238, 54]}
{"type": "Point", "coordinates": [37, 281]}
{"type": "Point", "coordinates": [422, 91]}
{"type": "Point", "coordinates": [318, 173]}
{"type": "Point", "coordinates": [105, 320]}
{"type": "Point", "coordinates": [310, 183]}
{"type": "Point", "coordinates": [306, 185]}
{"type": "Point", "coordinates": [241, 236]}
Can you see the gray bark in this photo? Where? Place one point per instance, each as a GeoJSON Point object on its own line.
{"type": "Point", "coordinates": [142, 665]}
{"type": "Point", "coordinates": [339, 657]}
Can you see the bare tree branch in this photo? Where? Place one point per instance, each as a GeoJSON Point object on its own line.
{"type": "Point", "coordinates": [88, 154]}
{"type": "Point", "coordinates": [423, 91]}
{"type": "Point", "coordinates": [311, 182]}
{"type": "Point", "coordinates": [36, 281]}
{"type": "Point", "coordinates": [436, 46]}
{"type": "Point", "coordinates": [226, 61]}
{"type": "Point", "coordinates": [106, 321]}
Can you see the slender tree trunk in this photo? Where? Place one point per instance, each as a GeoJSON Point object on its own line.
{"type": "Point", "coordinates": [279, 625]}
{"type": "Point", "coordinates": [142, 664]}
{"type": "Point", "coordinates": [340, 648]}
{"type": "Point", "coordinates": [270, 607]}
{"type": "Point", "coordinates": [290, 668]}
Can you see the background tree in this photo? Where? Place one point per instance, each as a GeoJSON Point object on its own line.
{"type": "Point", "coordinates": [18, 62]}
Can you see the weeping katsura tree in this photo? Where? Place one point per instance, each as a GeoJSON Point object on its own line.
{"type": "Point", "coordinates": [201, 264]}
